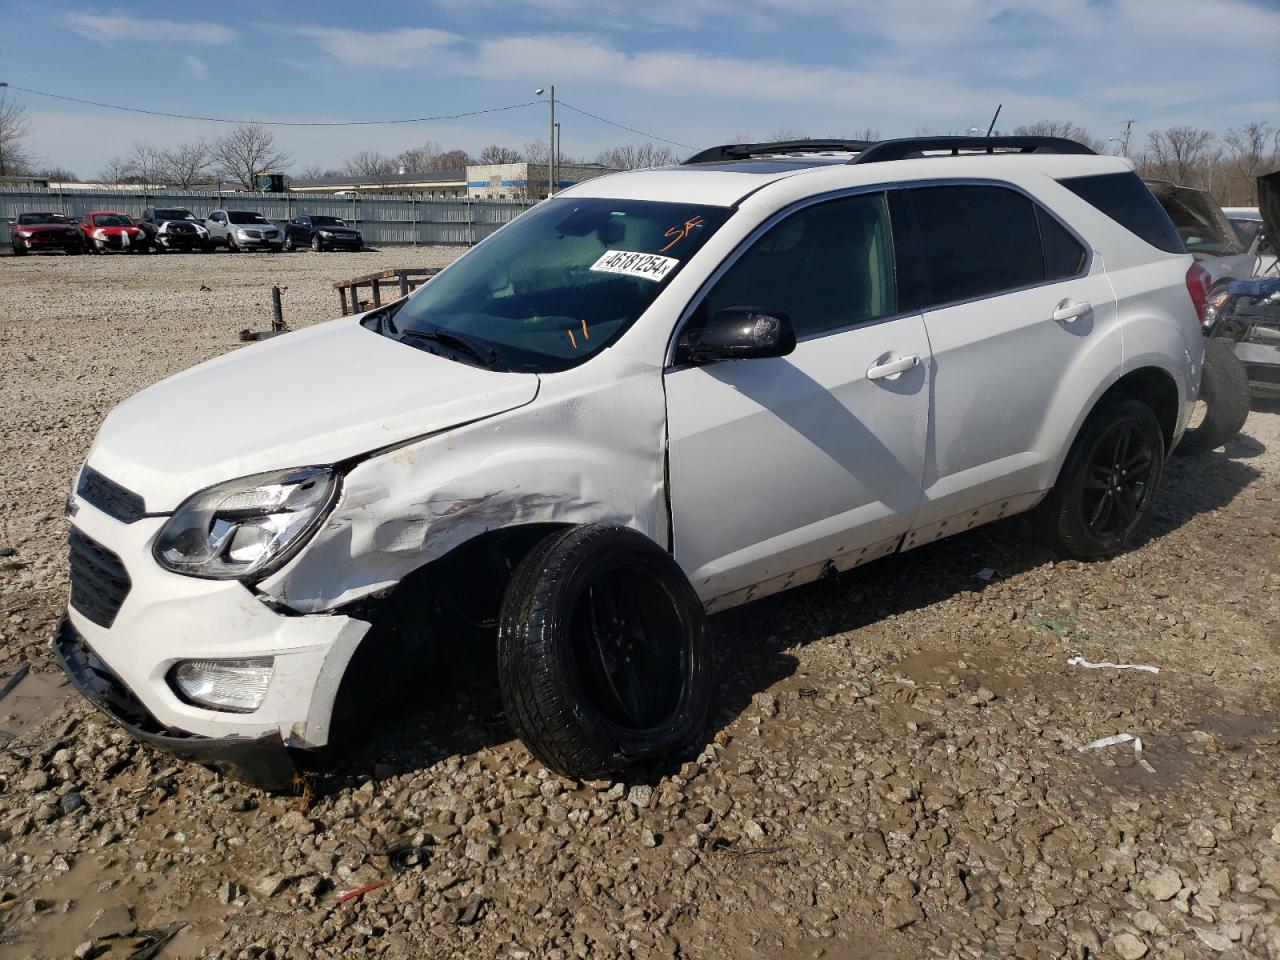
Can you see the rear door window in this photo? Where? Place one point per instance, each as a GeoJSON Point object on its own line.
{"type": "Point", "coordinates": [976, 241]}
{"type": "Point", "coordinates": [1063, 255]}
{"type": "Point", "coordinates": [1125, 199]}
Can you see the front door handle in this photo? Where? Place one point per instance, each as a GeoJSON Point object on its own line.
{"type": "Point", "coordinates": [1069, 311]}
{"type": "Point", "coordinates": [892, 368]}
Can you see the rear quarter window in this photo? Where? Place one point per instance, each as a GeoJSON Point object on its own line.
{"type": "Point", "coordinates": [1125, 199]}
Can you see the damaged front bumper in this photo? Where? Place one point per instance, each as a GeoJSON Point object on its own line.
{"type": "Point", "coordinates": [261, 761]}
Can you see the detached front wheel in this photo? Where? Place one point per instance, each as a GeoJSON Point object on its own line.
{"type": "Point", "coordinates": [604, 655]}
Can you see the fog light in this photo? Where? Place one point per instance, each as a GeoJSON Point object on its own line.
{"type": "Point", "coordinates": [238, 686]}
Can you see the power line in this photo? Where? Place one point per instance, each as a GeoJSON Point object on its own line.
{"type": "Point", "coordinates": [276, 123]}
{"type": "Point", "coordinates": [622, 126]}
{"type": "Point", "coordinates": [345, 123]}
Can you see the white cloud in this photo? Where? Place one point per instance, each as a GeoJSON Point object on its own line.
{"type": "Point", "coordinates": [405, 47]}
{"type": "Point", "coordinates": [195, 65]}
{"type": "Point", "coordinates": [105, 27]}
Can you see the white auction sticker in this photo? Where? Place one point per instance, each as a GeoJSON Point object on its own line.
{"type": "Point", "coordinates": [648, 266]}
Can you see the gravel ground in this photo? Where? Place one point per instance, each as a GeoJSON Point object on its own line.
{"type": "Point", "coordinates": [894, 770]}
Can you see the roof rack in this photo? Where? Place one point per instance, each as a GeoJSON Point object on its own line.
{"type": "Point", "coordinates": [908, 147]}
{"type": "Point", "coordinates": [744, 151]}
{"type": "Point", "coordinates": [868, 151]}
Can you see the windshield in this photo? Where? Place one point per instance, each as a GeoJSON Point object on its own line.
{"type": "Point", "coordinates": [112, 220]}
{"type": "Point", "coordinates": [328, 222]}
{"type": "Point", "coordinates": [176, 213]}
{"type": "Point", "coordinates": [33, 218]}
{"type": "Point", "coordinates": [1246, 230]}
{"type": "Point", "coordinates": [243, 216]}
{"type": "Point", "coordinates": [561, 282]}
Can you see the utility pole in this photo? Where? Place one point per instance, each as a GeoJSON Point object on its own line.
{"type": "Point", "coordinates": [1124, 141]}
{"type": "Point", "coordinates": [551, 143]}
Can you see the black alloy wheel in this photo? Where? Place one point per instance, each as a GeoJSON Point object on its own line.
{"type": "Point", "coordinates": [1118, 484]}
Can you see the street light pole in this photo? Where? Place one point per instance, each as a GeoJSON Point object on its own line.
{"type": "Point", "coordinates": [551, 145]}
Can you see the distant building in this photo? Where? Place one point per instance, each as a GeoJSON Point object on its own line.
{"type": "Point", "coordinates": [488, 181]}
{"type": "Point", "coordinates": [525, 181]}
{"type": "Point", "coordinates": [436, 183]}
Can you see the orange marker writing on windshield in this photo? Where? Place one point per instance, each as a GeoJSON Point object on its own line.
{"type": "Point", "coordinates": [679, 233]}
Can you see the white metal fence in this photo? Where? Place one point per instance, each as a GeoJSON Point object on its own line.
{"type": "Point", "coordinates": [382, 219]}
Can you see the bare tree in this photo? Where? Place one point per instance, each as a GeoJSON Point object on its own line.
{"type": "Point", "coordinates": [186, 164]}
{"type": "Point", "coordinates": [786, 133]}
{"type": "Point", "coordinates": [55, 174]}
{"type": "Point", "coordinates": [147, 163]}
{"type": "Point", "coordinates": [371, 165]}
{"type": "Point", "coordinates": [636, 156]}
{"type": "Point", "coordinates": [1062, 128]}
{"type": "Point", "coordinates": [498, 154]}
{"type": "Point", "coordinates": [420, 159]}
{"type": "Point", "coordinates": [15, 129]}
{"type": "Point", "coordinates": [1251, 150]}
{"type": "Point", "coordinates": [246, 151]}
{"type": "Point", "coordinates": [536, 151]}
{"type": "Point", "coordinates": [1181, 154]}
{"type": "Point", "coordinates": [452, 160]}
{"type": "Point", "coordinates": [118, 170]}
{"type": "Point", "coordinates": [315, 172]}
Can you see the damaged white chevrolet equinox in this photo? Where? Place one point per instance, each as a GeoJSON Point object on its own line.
{"type": "Point", "coordinates": [657, 394]}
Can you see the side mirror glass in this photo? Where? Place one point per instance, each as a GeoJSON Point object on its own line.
{"type": "Point", "coordinates": [743, 333]}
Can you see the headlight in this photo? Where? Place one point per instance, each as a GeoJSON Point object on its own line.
{"type": "Point", "coordinates": [24, 233]}
{"type": "Point", "coordinates": [246, 528]}
{"type": "Point", "coordinates": [326, 233]}
{"type": "Point", "coordinates": [237, 686]}
{"type": "Point", "coordinates": [100, 234]}
{"type": "Point", "coordinates": [241, 234]}
{"type": "Point", "coordinates": [201, 231]}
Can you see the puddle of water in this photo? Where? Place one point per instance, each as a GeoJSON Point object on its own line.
{"type": "Point", "coordinates": [35, 697]}
{"type": "Point", "coordinates": [935, 666]}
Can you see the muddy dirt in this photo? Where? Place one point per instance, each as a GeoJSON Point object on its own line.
{"type": "Point", "coordinates": [893, 769]}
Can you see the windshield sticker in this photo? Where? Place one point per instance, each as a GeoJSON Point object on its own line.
{"type": "Point", "coordinates": [679, 233]}
{"type": "Point", "coordinates": [647, 266]}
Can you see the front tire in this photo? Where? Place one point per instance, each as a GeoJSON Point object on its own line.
{"type": "Point", "coordinates": [1224, 391]}
{"type": "Point", "coordinates": [1107, 484]}
{"type": "Point", "coordinates": [316, 245]}
{"type": "Point", "coordinates": [288, 244]}
{"type": "Point", "coordinates": [19, 250]}
{"type": "Point", "coordinates": [604, 656]}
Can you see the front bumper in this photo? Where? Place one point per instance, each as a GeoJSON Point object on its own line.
{"type": "Point", "coordinates": [260, 243]}
{"type": "Point", "coordinates": [183, 242]}
{"type": "Point", "coordinates": [1262, 366]}
{"type": "Point", "coordinates": [161, 618]}
{"type": "Point", "coordinates": [262, 761]}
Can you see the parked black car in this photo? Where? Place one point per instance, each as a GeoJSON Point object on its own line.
{"type": "Point", "coordinates": [174, 228]}
{"type": "Point", "coordinates": [321, 233]}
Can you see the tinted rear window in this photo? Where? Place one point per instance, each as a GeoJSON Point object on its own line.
{"type": "Point", "coordinates": [1125, 199]}
{"type": "Point", "coordinates": [976, 241]}
{"type": "Point", "coordinates": [1063, 255]}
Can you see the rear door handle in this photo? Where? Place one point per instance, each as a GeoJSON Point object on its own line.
{"type": "Point", "coordinates": [892, 368]}
{"type": "Point", "coordinates": [1069, 311]}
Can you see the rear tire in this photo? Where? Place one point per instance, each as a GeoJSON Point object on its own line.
{"type": "Point", "coordinates": [1107, 483]}
{"type": "Point", "coordinates": [1224, 389]}
{"type": "Point", "coordinates": [604, 657]}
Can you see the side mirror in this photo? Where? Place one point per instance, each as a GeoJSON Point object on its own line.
{"type": "Point", "coordinates": [743, 333]}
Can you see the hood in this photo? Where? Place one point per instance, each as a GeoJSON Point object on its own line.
{"type": "Point", "coordinates": [313, 397]}
{"type": "Point", "coordinates": [44, 227]}
{"type": "Point", "coordinates": [1199, 221]}
{"type": "Point", "coordinates": [112, 231]}
{"type": "Point", "coordinates": [1269, 206]}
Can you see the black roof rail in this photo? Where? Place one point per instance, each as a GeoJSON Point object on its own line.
{"type": "Point", "coordinates": [908, 147]}
{"type": "Point", "coordinates": [744, 151]}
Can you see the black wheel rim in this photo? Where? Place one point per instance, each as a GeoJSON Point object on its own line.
{"type": "Point", "coordinates": [630, 649]}
{"type": "Point", "coordinates": [1118, 482]}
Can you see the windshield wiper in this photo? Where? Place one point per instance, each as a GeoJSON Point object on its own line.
{"type": "Point", "coordinates": [485, 357]}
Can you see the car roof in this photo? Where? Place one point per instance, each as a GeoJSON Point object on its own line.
{"type": "Point", "coordinates": [728, 183]}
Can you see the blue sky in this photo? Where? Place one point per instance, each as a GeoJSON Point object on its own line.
{"type": "Point", "coordinates": [693, 71]}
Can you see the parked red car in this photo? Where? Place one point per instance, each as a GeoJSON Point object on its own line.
{"type": "Point", "coordinates": [44, 231]}
{"type": "Point", "coordinates": [109, 230]}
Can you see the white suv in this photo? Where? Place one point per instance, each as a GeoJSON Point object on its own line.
{"type": "Point", "coordinates": [657, 394]}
